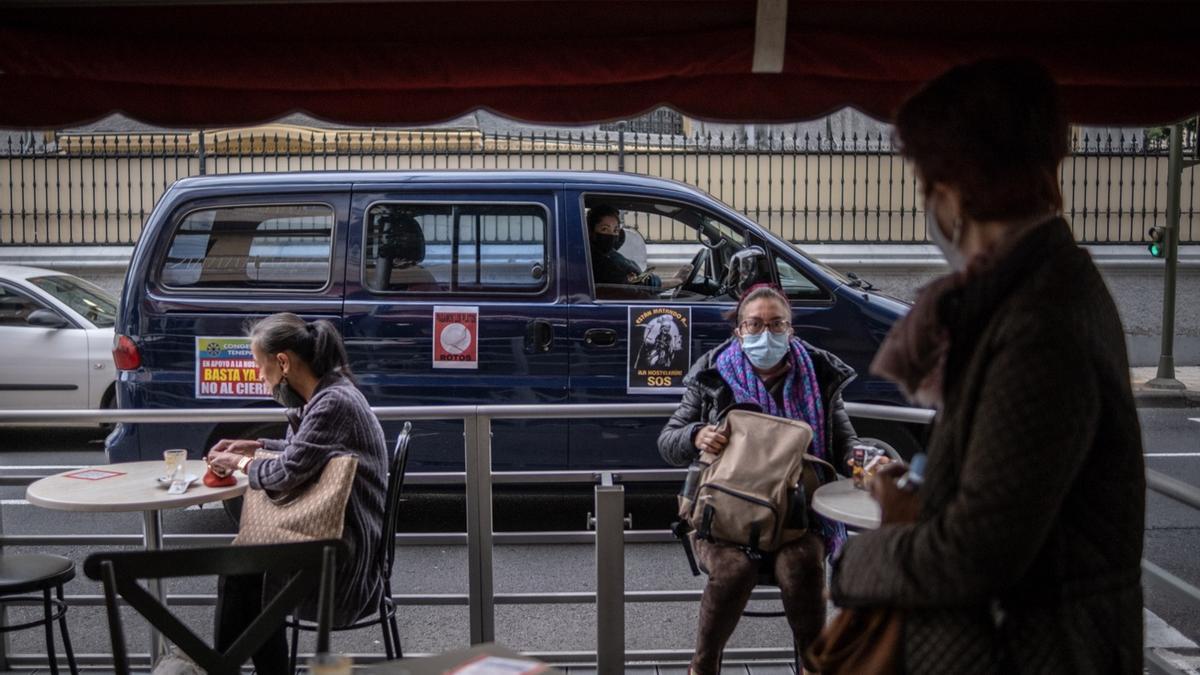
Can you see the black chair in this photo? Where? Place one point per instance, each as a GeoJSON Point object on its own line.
{"type": "Point", "coordinates": [20, 574]}
{"type": "Point", "coordinates": [303, 565]}
{"type": "Point", "coordinates": [386, 619]}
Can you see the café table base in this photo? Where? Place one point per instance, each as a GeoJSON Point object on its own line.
{"type": "Point", "coordinates": [152, 539]}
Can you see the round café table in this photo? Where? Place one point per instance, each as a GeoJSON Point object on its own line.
{"type": "Point", "coordinates": [131, 486]}
{"type": "Point", "coordinates": [843, 502]}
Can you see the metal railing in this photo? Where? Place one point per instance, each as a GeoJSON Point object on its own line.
{"type": "Point", "coordinates": [97, 189]}
{"type": "Point", "coordinates": [609, 536]}
{"type": "Point", "coordinates": [1185, 494]}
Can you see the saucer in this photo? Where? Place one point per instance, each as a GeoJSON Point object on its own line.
{"type": "Point", "coordinates": [190, 478]}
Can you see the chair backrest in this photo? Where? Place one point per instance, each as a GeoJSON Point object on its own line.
{"type": "Point", "coordinates": [304, 565]}
{"type": "Point", "coordinates": [397, 465]}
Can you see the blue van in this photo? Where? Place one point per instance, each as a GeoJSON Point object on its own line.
{"type": "Point", "coordinates": [464, 288]}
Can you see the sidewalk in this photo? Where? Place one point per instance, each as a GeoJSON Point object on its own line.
{"type": "Point", "coordinates": [1166, 398]}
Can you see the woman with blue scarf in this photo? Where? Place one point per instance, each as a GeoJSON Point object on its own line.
{"type": "Point", "coordinates": [765, 364]}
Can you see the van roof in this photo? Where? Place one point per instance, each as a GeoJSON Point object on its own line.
{"type": "Point", "coordinates": [295, 178]}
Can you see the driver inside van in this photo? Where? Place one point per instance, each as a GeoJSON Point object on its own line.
{"type": "Point", "coordinates": [608, 265]}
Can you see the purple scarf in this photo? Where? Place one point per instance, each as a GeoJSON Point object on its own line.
{"type": "Point", "coordinates": [801, 401]}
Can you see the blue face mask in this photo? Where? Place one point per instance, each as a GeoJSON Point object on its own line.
{"type": "Point", "coordinates": [766, 349]}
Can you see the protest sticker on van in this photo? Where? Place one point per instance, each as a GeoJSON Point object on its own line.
{"type": "Point", "coordinates": [660, 349]}
{"type": "Point", "coordinates": [225, 368]}
{"type": "Point", "coordinates": [456, 337]}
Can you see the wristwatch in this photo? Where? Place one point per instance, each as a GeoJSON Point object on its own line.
{"type": "Point", "coordinates": [244, 463]}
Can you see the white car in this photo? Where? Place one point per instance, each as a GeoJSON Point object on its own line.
{"type": "Point", "coordinates": [56, 341]}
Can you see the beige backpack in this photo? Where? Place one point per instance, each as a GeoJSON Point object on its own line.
{"type": "Point", "coordinates": [756, 492]}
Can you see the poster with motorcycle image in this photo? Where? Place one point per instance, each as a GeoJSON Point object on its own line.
{"type": "Point", "coordinates": [660, 349]}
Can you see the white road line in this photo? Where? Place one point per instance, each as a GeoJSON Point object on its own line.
{"type": "Point", "coordinates": [1160, 634]}
{"type": "Point", "coordinates": [1171, 454]}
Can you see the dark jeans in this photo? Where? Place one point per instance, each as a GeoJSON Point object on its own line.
{"type": "Point", "coordinates": [239, 602]}
{"type": "Point", "coordinates": [799, 571]}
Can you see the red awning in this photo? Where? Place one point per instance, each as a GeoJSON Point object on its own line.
{"type": "Point", "coordinates": [402, 63]}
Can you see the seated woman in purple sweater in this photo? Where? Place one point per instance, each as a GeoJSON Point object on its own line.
{"type": "Point", "coordinates": [305, 366]}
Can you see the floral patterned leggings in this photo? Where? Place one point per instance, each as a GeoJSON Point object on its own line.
{"type": "Point", "coordinates": [732, 575]}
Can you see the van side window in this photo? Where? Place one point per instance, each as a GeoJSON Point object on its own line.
{"type": "Point", "coordinates": [794, 284]}
{"type": "Point", "coordinates": [660, 251]}
{"type": "Point", "coordinates": [448, 248]}
{"type": "Point", "coordinates": [252, 247]}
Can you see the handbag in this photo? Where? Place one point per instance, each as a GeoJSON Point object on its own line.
{"type": "Point", "coordinates": [756, 492]}
{"type": "Point", "coordinates": [314, 511]}
{"type": "Point", "coordinates": [859, 641]}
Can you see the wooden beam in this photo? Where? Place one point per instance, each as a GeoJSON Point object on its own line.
{"type": "Point", "coordinates": [770, 36]}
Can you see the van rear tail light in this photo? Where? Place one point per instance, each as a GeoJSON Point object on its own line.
{"type": "Point", "coordinates": [125, 353]}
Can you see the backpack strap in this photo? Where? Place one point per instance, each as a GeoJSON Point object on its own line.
{"type": "Point", "coordinates": [755, 535]}
{"type": "Point", "coordinates": [818, 460]}
{"type": "Point", "coordinates": [681, 529]}
{"type": "Point", "coordinates": [706, 518]}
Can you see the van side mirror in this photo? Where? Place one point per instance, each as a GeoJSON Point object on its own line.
{"type": "Point", "coordinates": [747, 267]}
{"type": "Point", "coordinates": [44, 318]}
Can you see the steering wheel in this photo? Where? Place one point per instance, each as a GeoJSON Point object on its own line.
{"type": "Point", "coordinates": [699, 259]}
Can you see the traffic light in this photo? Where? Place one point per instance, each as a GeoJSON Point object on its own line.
{"type": "Point", "coordinates": [1158, 243]}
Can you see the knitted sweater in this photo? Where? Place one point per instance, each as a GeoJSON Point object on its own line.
{"type": "Point", "coordinates": [337, 421]}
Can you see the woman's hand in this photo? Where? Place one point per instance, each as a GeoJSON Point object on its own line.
{"type": "Point", "coordinates": [896, 505]}
{"type": "Point", "coordinates": [238, 446]}
{"type": "Point", "coordinates": [709, 440]}
{"type": "Point", "coordinates": [223, 463]}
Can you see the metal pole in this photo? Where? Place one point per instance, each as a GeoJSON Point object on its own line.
{"type": "Point", "coordinates": [610, 576]}
{"type": "Point", "coordinates": [202, 154]}
{"type": "Point", "coordinates": [621, 146]}
{"type": "Point", "coordinates": [153, 541]}
{"type": "Point", "coordinates": [1166, 361]}
{"type": "Point", "coordinates": [4, 664]}
{"type": "Point", "coordinates": [477, 433]}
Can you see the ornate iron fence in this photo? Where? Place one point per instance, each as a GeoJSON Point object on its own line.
{"type": "Point", "coordinates": [98, 189]}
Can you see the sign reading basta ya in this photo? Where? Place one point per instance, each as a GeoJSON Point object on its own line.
{"type": "Point", "coordinates": [225, 368]}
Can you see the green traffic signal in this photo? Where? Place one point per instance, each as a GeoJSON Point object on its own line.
{"type": "Point", "coordinates": [1157, 246]}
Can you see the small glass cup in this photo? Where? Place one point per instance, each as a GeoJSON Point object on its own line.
{"type": "Point", "coordinates": [864, 461]}
{"type": "Point", "coordinates": [330, 664]}
{"type": "Point", "coordinates": [175, 461]}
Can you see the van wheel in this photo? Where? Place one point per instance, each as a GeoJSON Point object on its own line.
{"type": "Point", "coordinates": [108, 402]}
{"type": "Point", "coordinates": [899, 435]}
{"type": "Point", "coordinates": [233, 507]}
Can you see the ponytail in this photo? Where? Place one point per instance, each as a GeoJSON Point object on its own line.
{"type": "Point", "coordinates": [318, 344]}
{"type": "Point", "coordinates": [329, 353]}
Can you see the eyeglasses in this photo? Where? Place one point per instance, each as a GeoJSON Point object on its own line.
{"type": "Point", "coordinates": [755, 326]}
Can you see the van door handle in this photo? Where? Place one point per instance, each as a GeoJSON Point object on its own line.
{"type": "Point", "coordinates": [600, 337]}
{"type": "Point", "coordinates": [539, 336]}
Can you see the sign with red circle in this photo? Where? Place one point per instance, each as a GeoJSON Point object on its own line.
{"type": "Point", "coordinates": [456, 337]}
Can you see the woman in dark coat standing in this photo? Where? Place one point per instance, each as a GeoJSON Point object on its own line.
{"type": "Point", "coordinates": [1021, 551]}
{"type": "Point", "coordinates": [764, 363]}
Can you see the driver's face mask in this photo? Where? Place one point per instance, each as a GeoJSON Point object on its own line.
{"type": "Point", "coordinates": [604, 243]}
